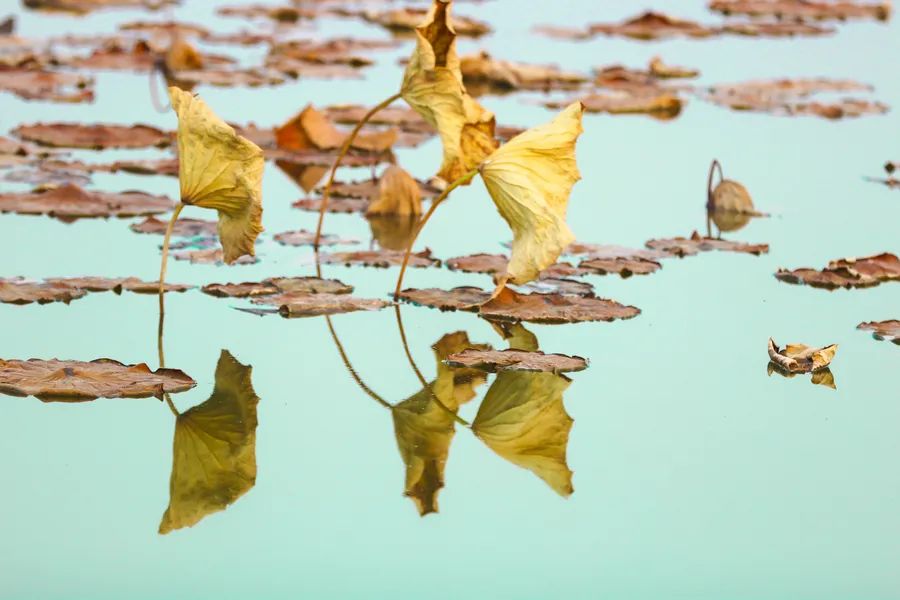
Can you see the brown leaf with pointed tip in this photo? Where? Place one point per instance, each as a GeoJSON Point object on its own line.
{"type": "Point", "coordinates": [307, 238]}
{"type": "Point", "coordinates": [867, 271]}
{"type": "Point", "coordinates": [183, 227]}
{"type": "Point", "coordinates": [70, 202]}
{"type": "Point", "coordinates": [883, 330]}
{"type": "Point", "coordinates": [523, 420]}
{"type": "Point", "coordinates": [551, 308]}
{"type": "Point", "coordinates": [53, 86]}
{"type": "Point", "coordinates": [516, 360]}
{"type": "Point", "coordinates": [93, 137]}
{"type": "Point", "coordinates": [214, 449]}
{"type": "Point", "coordinates": [380, 258]}
{"type": "Point", "coordinates": [311, 129]}
{"type": "Point", "coordinates": [459, 298]}
{"type": "Point", "coordinates": [800, 358]}
{"type": "Point", "coordinates": [77, 381]}
{"type": "Point", "coordinates": [681, 247]}
{"type": "Point", "coordinates": [802, 10]}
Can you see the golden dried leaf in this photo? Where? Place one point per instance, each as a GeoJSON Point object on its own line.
{"type": "Point", "coordinates": [433, 87]}
{"type": "Point", "coordinates": [800, 358]}
{"type": "Point", "coordinates": [397, 194]}
{"type": "Point", "coordinates": [393, 232]}
{"type": "Point", "coordinates": [530, 179]}
{"type": "Point", "coordinates": [214, 449]}
{"type": "Point", "coordinates": [182, 56]}
{"type": "Point", "coordinates": [516, 360]}
{"type": "Point", "coordinates": [76, 381]}
{"type": "Point", "coordinates": [523, 420]}
{"type": "Point", "coordinates": [219, 170]}
{"type": "Point", "coordinates": [312, 129]}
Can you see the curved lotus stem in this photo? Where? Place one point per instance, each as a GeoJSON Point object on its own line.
{"type": "Point", "coordinates": [159, 66]}
{"type": "Point", "coordinates": [345, 147]}
{"type": "Point", "coordinates": [709, 187]}
{"type": "Point", "coordinates": [437, 201]}
{"type": "Point", "coordinates": [362, 385]}
{"type": "Point", "coordinates": [165, 256]}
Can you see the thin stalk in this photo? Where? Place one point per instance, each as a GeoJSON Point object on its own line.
{"type": "Point", "coordinates": [362, 385]}
{"type": "Point", "coordinates": [345, 147]}
{"type": "Point", "coordinates": [437, 201]}
{"type": "Point", "coordinates": [709, 182]}
{"type": "Point", "coordinates": [165, 255]}
{"type": "Point", "coordinates": [171, 406]}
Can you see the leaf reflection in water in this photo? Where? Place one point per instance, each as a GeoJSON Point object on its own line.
{"type": "Point", "coordinates": [214, 449]}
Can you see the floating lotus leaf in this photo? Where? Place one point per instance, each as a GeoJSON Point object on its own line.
{"type": "Point", "coordinates": [211, 256]}
{"type": "Point", "coordinates": [93, 137]}
{"type": "Point", "coordinates": [214, 449]}
{"type": "Point", "coordinates": [659, 104]}
{"type": "Point", "coordinates": [410, 19]}
{"type": "Point", "coordinates": [53, 86]}
{"type": "Point", "coordinates": [481, 71]}
{"type": "Point", "coordinates": [800, 10]}
{"type": "Point", "coordinates": [459, 298]}
{"type": "Point", "coordinates": [15, 291]}
{"type": "Point", "coordinates": [76, 381]}
{"type": "Point", "coordinates": [277, 285]}
{"type": "Point", "coordinates": [883, 330]}
{"type": "Point", "coordinates": [553, 308]}
{"type": "Point", "coordinates": [380, 258]}
{"type": "Point", "coordinates": [516, 360]}
{"type": "Point", "coordinates": [293, 305]}
{"type": "Point", "coordinates": [183, 227]}
{"type": "Point", "coordinates": [800, 358]}
{"type": "Point", "coordinates": [861, 272]}
{"type": "Point", "coordinates": [311, 129]}
{"type": "Point", "coordinates": [70, 202]}
{"type": "Point", "coordinates": [695, 244]}
{"type": "Point", "coordinates": [307, 238]}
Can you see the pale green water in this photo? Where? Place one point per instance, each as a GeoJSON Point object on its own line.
{"type": "Point", "coordinates": [696, 475]}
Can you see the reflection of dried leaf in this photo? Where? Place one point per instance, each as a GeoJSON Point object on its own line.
{"type": "Point", "coordinates": [516, 360]}
{"type": "Point", "coordinates": [220, 170]}
{"type": "Point", "coordinates": [183, 227]}
{"type": "Point", "coordinates": [311, 129]}
{"type": "Point", "coordinates": [680, 246]}
{"type": "Point", "coordinates": [529, 179]}
{"type": "Point", "coordinates": [93, 137]}
{"type": "Point", "coordinates": [76, 381]}
{"type": "Point", "coordinates": [883, 330]}
{"type": "Point", "coordinates": [398, 194]}
{"type": "Point", "coordinates": [30, 84]}
{"type": "Point", "coordinates": [861, 272]}
{"type": "Point", "coordinates": [482, 71]}
{"type": "Point", "coordinates": [550, 308]}
{"type": "Point", "coordinates": [492, 264]}
{"type": "Point", "coordinates": [70, 202]}
{"type": "Point", "coordinates": [821, 377]}
{"type": "Point", "coordinates": [214, 450]}
{"type": "Point", "coordinates": [523, 420]}
{"type": "Point", "coordinates": [306, 238]}
{"type": "Point", "coordinates": [799, 358]}
{"type": "Point", "coordinates": [380, 258]}
{"type": "Point", "coordinates": [212, 256]}
{"type": "Point", "coordinates": [278, 285]}
{"type": "Point", "coordinates": [393, 232]}
{"type": "Point", "coordinates": [804, 9]}
{"type": "Point", "coordinates": [424, 423]}
{"type": "Point", "coordinates": [731, 196]}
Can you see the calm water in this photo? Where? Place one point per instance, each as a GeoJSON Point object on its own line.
{"type": "Point", "coordinates": [696, 475]}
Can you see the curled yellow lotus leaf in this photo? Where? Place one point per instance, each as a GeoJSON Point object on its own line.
{"type": "Point", "coordinates": [530, 179]}
{"type": "Point", "coordinates": [221, 170]}
{"type": "Point", "coordinates": [433, 87]}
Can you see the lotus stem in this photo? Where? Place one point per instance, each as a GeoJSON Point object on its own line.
{"type": "Point", "coordinates": [171, 406]}
{"type": "Point", "coordinates": [709, 182]}
{"type": "Point", "coordinates": [342, 152]}
{"type": "Point", "coordinates": [437, 201]}
{"type": "Point", "coordinates": [165, 256]}
{"type": "Point", "coordinates": [362, 385]}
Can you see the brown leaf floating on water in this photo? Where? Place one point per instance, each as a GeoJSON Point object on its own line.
{"type": "Point", "coordinates": [516, 360]}
{"type": "Point", "coordinates": [335, 205]}
{"type": "Point", "coordinates": [116, 284]}
{"type": "Point", "coordinates": [492, 264]}
{"type": "Point", "coordinates": [661, 70]}
{"type": "Point", "coordinates": [550, 308]}
{"type": "Point", "coordinates": [93, 137]}
{"type": "Point", "coordinates": [800, 10]}
{"type": "Point", "coordinates": [70, 202]}
{"type": "Point", "coordinates": [277, 285]}
{"type": "Point", "coordinates": [53, 86]}
{"type": "Point", "coordinates": [883, 330]}
{"type": "Point", "coordinates": [298, 304]}
{"type": "Point", "coordinates": [214, 449]}
{"type": "Point", "coordinates": [311, 129]}
{"type": "Point", "coordinates": [160, 166]}
{"type": "Point", "coordinates": [867, 271]}
{"type": "Point", "coordinates": [775, 29]}
{"type": "Point", "coordinates": [606, 259]}
{"type": "Point", "coordinates": [800, 358]}
{"type": "Point", "coordinates": [86, 6]}
{"type": "Point", "coordinates": [483, 73]}
{"type": "Point", "coordinates": [682, 247]}
{"type": "Point", "coordinates": [233, 77]}
{"type": "Point", "coordinates": [283, 14]}
{"type": "Point", "coordinates": [77, 381]}
{"type": "Point", "coordinates": [380, 258]}
{"type": "Point", "coordinates": [405, 20]}
{"type": "Point", "coordinates": [211, 256]}
{"type": "Point", "coordinates": [16, 291]}
{"type": "Point", "coordinates": [459, 298]}
{"type": "Point", "coordinates": [652, 26]}
{"type": "Point", "coordinates": [559, 285]}
{"type": "Point", "coordinates": [662, 104]}
{"type": "Point", "coordinates": [306, 238]}
{"type": "Point", "coordinates": [788, 97]}
{"type": "Point", "coordinates": [370, 187]}
{"type": "Point", "coordinates": [184, 227]}
{"type": "Point", "coordinates": [341, 51]}
{"type": "Point", "coordinates": [523, 420]}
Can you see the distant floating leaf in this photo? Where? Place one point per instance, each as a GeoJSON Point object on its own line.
{"type": "Point", "coordinates": [652, 26]}
{"type": "Point", "coordinates": [822, 377]}
{"type": "Point", "coordinates": [93, 137]}
{"type": "Point", "coordinates": [301, 304]}
{"type": "Point", "coordinates": [680, 246]}
{"type": "Point", "coordinates": [278, 285]}
{"type": "Point", "coordinates": [410, 19]}
{"type": "Point", "coordinates": [380, 258]}
{"type": "Point", "coordinates": [86, 6]}
{"type": "Point", "coordinates": [183, 227]}
{"type": "Point", "coordinates": [70, 202]}
{"type": "Point", "coordinates": [802, 10]}
{"type": "Point", "coordinates": [516, 360]}
{"type": "Point", "coordinates": [867, 271]}
{"type": "Point", "coordinates": [883, 330]}
{"type": "Point", "coordinates": [662, 104]}
{"type": "Point", "coordinates": [552, 308]}
{"type": "Point", "coordinates": [799, 358]}
{"type": "Point", "coordinates": [15, 291]}
{"type": "Point", "coordinates": [483, 73]}
{"type": "Point", "coordinates": [306, 238]}
{"type": "Point", "coordinates": [311, 129]}
{"type": "Point", "coordinates": [211, 256]}
{"type": "Point", "coordinates": [335, 205]}
{"type": "Point", "coordinates": [459, 298]}
{"type": "Point", "coordinates": [52, 86]}
{"type": "Point", "coordinates": [214, 449]}
{"type": "Point", "coordinates": [76, 381]}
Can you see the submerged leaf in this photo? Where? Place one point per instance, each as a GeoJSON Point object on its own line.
{"type": "Point", "coordinates": [214, 449]}
{"type": "Point", "coordinates": [530, 179]}
{"type": "Point", "coordinates": [523, 420]}
{"type": "Point", "coordinates": [76, 381]}
{"type": "Point", "coordinates": [221, 170]}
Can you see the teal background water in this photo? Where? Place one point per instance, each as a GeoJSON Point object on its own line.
{"type": "Point", "coordinates": [696, 475]}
